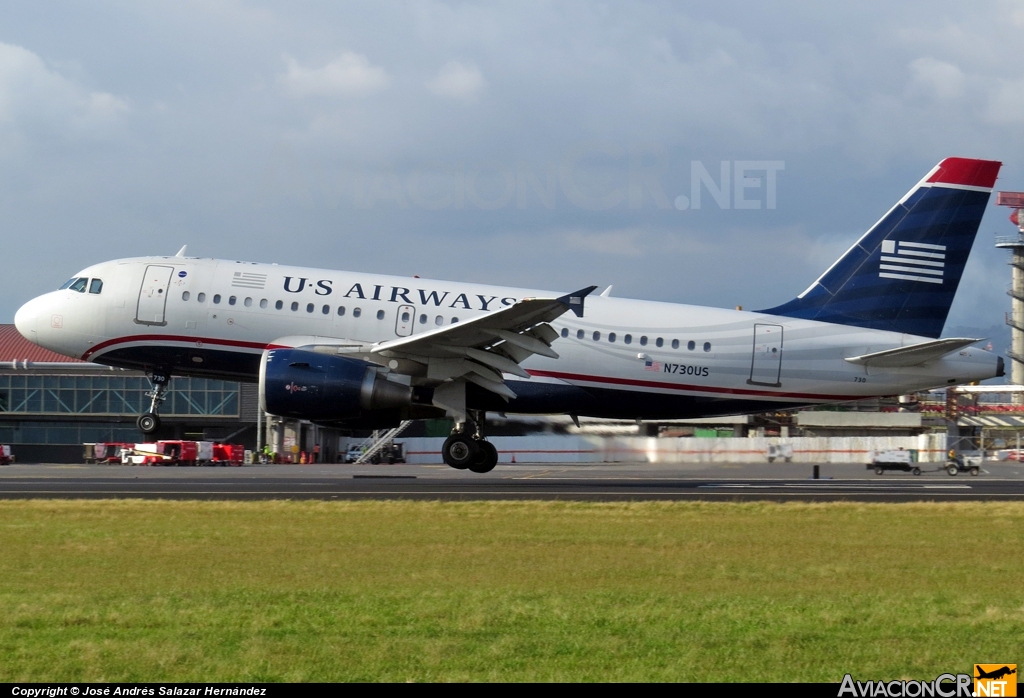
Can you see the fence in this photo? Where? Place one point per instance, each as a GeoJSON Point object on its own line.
{"type": "Point", "coordinates": [631, 449]}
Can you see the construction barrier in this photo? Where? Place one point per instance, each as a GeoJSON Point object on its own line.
{"type": "Point", "coordinates": [631, 449]}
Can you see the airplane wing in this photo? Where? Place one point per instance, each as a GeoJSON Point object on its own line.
{"type": "Point", "coordinates": [913, 355]}
{"type": "Point", "coordinates": [476, 351]}
{"type": "Point", "coordinates": [481, 349]}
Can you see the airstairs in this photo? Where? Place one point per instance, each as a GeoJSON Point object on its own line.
{"type": "Point", "coordinates": [378, 440]}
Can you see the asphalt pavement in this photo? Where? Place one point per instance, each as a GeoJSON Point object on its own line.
{"type": "Point", "coordinates": [998, 481]}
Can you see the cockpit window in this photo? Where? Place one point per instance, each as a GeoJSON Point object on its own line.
{"type": "Point", "coordinates": [79, 284]}
{"type": "Point", "coordinates": [96, 286]}
{"type": "Point", "coordinates": [68, 283]}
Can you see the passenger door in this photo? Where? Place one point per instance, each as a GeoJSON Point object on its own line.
{"type": "Point", "coordinates": [405, 319]}
{"type": "Point", "coordinates": [153, 295]}
{"type": "Point", "coordinates": [766, 363]}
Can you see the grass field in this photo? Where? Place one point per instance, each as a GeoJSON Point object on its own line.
{"type": "Point", "coordinates": [339, 591]}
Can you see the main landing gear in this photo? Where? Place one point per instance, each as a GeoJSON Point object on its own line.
{"type": "Point", "coordinates": [149, 422]}
{"type": "Point", "coordinates": [467, 449]}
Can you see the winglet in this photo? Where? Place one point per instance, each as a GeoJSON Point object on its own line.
{"type": "Point", "coordinates": [575, 300]}
{"type": "Point", "coordinates": [181, 252]}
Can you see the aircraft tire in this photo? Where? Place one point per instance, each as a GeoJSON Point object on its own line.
{"type": "Point", "coordinates": [459, 451]}
{"type": "Point", "coordinates": [487, 459]}
{"type": "Point", "coordinates": [148, 422]}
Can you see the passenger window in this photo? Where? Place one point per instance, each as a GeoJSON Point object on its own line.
{"type": "Point", "coordinates": [454, 320]}
{"type": "Point", "coordinates": [611, 337]}
{"type": "Point", "coordinates": [691, 345]}
{"type": "Point", "coordinates": [96, 286]}
{"type": "Point", "coordinates": [707, 346]}
{"type": "Point", "coordinates": [659, 342]}
{"type": "Point", "coordinates": [326, 310]}
{"type": "Point", "coordinates": [356, 312]}
{"type": "Point", "coordinates": [232, 300]}
{"type": "Point", "coordinates": [439, 321]}
{"type": "Point", "coordinates": [79, 285]}
{"type": "Point", "coordinates": [263, 302]}
{"type": "Point", "coordinates": [423, 319]}
{"type": "Point", "coordinates": [309, 307]}
{"type": "Point", "coordinates": [248, 302]}
{"type": "Point", "coordinates": [295, 306]}
{"type": "Point", "coordinates": [380, 314]}
{"type": "Point", "coordinates": [675, 343]}
{"type": "Point", "coordinates": [185, 296]}
{"type": "Point", "coordinates": [643, 341]}
{"type": "Point", "coordinates": [279, 305]}
{"type": "Point", "coordinates": [597, 336]}
{"type": "Point", "coordinates": [216, 298]}
{"type": "Point", "coordinates": [628, 339]}
{"type": "Point", "coordinates": [405, 316]}
{"type": "Point", "coordinates": [341, 310]}
{"type": "Point", "coordinates": [565, 331]}
{"type": "Point", "coordinates": [580, 334]}
{"type": "Point", "coordinates": [201, 298]}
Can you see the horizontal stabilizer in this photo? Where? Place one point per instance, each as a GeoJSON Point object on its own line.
{"type": "Point", "coordinates": [913, 355]}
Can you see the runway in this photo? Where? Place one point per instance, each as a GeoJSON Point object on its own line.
{"type": "Point", "coordinates": [586, 482]}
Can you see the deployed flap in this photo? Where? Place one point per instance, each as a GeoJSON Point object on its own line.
{"type": "Point", "coordinates": [481, 349]}
{"type": "Point", "coordinates": [914, 354]}
{"type": "Point", "coordinates": [486, 330]}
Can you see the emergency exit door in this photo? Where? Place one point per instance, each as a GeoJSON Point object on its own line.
{"type": "Point", "coordinates": [153, 295]}
{"type": "Point", "coordinates": [766, 364]}
{"type": "Point", "coordinates": [406, 318]}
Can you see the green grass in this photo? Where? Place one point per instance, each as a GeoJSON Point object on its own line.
{"type": "Point", "coordinates": [349, 591]}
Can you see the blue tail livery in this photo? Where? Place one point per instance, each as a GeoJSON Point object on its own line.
{"type": "Point", "coordinates": [902, 274]}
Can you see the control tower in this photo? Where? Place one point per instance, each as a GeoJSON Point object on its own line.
{"type": "Point", "coordinates": [1015, 319]}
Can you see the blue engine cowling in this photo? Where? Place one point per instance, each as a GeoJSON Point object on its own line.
{"type": "Point", "coordinates": [324, 387]}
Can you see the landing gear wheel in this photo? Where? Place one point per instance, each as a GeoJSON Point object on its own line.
{"type": "Point", "coordinates": [975, 470]}
{"type": "Point", "coordinates": [916, 471]}
{"type": "Point", "coordinates": [952, 470]}
{"type": "Point", "coordinates": [459, 451]}
{"type": "Point", "coordinates": [148, 423]}
{"type": "Point", "coordinates": [487, 458]}
{"type": "Point", "coordinates": [879, 471]}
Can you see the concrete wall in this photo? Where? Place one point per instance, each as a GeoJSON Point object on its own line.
{"type": "Point", "coordinates": [613, 449]}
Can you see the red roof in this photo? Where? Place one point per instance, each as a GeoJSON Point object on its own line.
{"type": "Point", "coordinates": [14, 347]}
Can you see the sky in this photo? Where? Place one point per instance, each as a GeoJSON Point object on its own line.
{"type": "Point", "coordinates": [537, 144]}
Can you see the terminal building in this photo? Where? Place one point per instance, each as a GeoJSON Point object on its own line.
{"type": "Point", "coordinates": [50, 404]}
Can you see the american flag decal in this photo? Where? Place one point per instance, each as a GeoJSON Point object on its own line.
{"type": "Point", "coordinates": [650, 365]}
{"type": "Point", "coordinates": [244, 279]}
{"type": "Point", "coordinates": [912, 261]}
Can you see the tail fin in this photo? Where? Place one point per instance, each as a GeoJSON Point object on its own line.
{"type": "Point", "coordinates": [903, 273]}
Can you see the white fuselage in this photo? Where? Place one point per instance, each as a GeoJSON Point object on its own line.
{"type": "Point", "coordinates": [639, 359]}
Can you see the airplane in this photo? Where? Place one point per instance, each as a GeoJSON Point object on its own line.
{"type": "Point", "coordinates": [994, 674]}
{"type": "Point", "coordinates": [359, 351]}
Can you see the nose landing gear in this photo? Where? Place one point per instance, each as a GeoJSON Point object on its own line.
{"type": "Point", "coordinates": [467, 449]}
{"type": "Point", "coordinates": [149, 422]}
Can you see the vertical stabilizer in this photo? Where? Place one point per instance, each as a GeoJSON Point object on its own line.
{"type": "Point", "coordinates": [903, 273]}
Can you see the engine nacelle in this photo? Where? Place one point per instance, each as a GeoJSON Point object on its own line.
{"type": "Point", "coordinates": [325, 388]}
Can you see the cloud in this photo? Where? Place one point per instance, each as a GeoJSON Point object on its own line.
{"type": "Point", "coordinates": [348, 74]}
{"type": "Point", "coordinates": [35, 99]}
{"type": "Point", "coordinates": [937, 78]}
{"type": "Point", "coordinates": [457, 80]}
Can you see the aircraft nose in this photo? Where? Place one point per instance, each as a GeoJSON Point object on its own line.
{"type": "Point", "coordinates": [26, 320]}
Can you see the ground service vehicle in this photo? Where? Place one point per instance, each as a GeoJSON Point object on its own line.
{"type": "Point", "coordinates": [898, 459]}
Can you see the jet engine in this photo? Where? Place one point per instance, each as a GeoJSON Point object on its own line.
{"type": "Point", "coordinates": [326, 388]}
